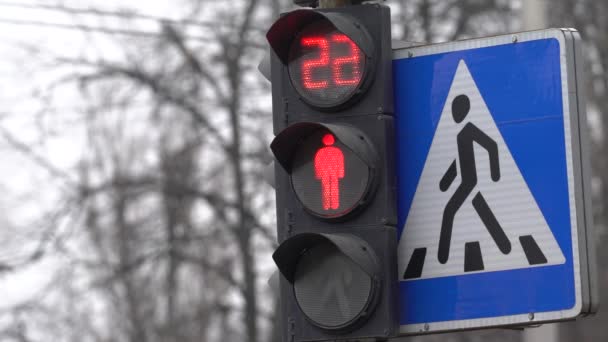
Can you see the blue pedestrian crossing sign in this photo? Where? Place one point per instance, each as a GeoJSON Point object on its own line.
{"type": "Point", "coordinates": [493, 183]}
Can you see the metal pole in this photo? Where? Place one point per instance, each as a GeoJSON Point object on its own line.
{"type": "Point", "coordinates": [534, 14]}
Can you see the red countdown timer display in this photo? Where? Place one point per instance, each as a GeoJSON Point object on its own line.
{"type": "Point", "coordinates": [325, 66]}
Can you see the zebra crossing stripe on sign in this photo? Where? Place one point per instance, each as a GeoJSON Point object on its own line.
{"type": "Point", "coordinates": [489, 220]}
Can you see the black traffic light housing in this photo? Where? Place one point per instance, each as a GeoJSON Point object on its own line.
{"type": "Point", "coordinates": [334, 176]}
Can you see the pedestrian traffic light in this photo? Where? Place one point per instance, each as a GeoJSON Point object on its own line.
{"type": "Point", "coordinates": [335, 186]}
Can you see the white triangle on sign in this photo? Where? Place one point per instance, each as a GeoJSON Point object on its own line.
{"type": "Point", "coordinates": [472, 246]}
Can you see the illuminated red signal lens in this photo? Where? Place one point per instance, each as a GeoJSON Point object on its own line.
{"type": "Point", "coordinates": [326, 67]}
{"type": "Point", "coordinates": [327, 177]}
{"type": "Point", "coordinates": [329, 169]}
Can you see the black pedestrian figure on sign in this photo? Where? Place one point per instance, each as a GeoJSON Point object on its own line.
{"type": "Point", "coordinates": [473, 260]}
{"type": "Point", "coordinates": [468, 174]}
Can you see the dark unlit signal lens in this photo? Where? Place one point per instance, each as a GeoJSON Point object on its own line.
{"type": "Point", "coordinates": [330, 288]}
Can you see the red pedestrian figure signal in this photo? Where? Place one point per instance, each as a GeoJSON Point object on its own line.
{"type": "Point", "coordinates": [329, 169]}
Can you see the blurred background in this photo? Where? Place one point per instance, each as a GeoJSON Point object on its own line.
{"type": "Point", "coordinates": [134, 137]}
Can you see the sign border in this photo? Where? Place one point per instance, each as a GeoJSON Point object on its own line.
{"type": "Point", "coordinates": [578, 175]}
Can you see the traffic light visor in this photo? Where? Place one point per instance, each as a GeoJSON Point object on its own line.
{"type": "Point", "coordinates": [283, 32]}
{"type": "Point", "coordinates": [288, 140]}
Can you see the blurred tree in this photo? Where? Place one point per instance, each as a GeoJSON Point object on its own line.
{"type": "Point", "coordinates": [432, 21]}
{"type": "Point", "coordinates": [168, 201]}
{"type": "Point", "coordinates": [164, 226]}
